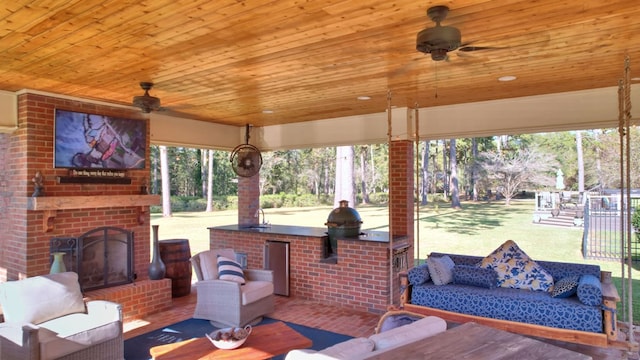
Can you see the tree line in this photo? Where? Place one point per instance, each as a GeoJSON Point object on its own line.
{"type": "Point", "coordinates": [448, 169]}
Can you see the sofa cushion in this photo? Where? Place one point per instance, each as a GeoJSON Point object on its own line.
{"type": "Point", "coordinates": [349, 349]}
{"type": "Point", "coordinates": [589, 290]}
{"type": "Point", "coordinates": [307, 354]}
{"type": "Point", "coordinates": [415, 331]}
{"type": "Point", "coordinates": [208, 265]}
{"type": "Point", "coordinates": [418, 275]}
{"type": "Point", "coordinates": [401, 318]}
{"type": "Point", "coordinates": [566, 287]}
{"type": "Point", "coordinates": [440, 269]}
{"type": "Point", "coordinates": [75, 332]}
{"type": "Point", "coordinates": [83, 328]}
{"type": "Point", "coordinates": [516, 270]}
{"type": "Point", "coordinates": [41, 298]}
{"type": "Point", "coordinates": [208, 262]}
{"type": "Point", "coordinates": [475, 276]}
{"type": "Point", "coordinates": [355, 348]}
{"type": "Point", "coordinates": [530, 307]}
{"type": "Point", "coordinates": [255, 290]}
{"type": "Point", "coordinates": [230, 270]}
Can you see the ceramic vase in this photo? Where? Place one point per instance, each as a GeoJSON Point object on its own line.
{"type": "Point", "coordinates": [57, 266]}
{"type": "Point", "coordinates": [157, 269]}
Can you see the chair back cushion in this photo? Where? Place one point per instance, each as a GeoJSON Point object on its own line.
{"type": "Point", "coordinates": [41, 298]}
{"type": "Point", "coordinates": [205, 263]}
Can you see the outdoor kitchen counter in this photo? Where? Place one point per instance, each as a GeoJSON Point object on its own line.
{"type": "Point", "coordinates": [356, 276]}
{"type": "Point", "coordinates": [306, 231]}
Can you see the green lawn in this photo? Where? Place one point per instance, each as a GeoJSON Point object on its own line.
{"type": "Point", "coordinates": [477, 229]}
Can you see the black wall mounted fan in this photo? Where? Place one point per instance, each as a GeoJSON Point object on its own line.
{"type": "Point", "coordinates": [246, 159]}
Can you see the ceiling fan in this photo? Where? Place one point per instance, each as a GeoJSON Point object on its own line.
{"type": "Point", "coordinates": [440, 40]}
{"type": "Point", "coordinates": [246, 159]}
{"type": "Point", "coordinates": [146, 102]}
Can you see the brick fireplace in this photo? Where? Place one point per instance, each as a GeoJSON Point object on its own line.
{"type": "Point", "coordinates": [70, 209]}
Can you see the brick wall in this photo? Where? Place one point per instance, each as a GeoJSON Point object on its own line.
{"type": "Point", "coordinates": [24, 246]}
{"type": "Point", "coordinates": [359, 280]}
{"type": "Point", "coordinates": [139, 299]}
{"type": "Point", "coordinates": [402, 191]}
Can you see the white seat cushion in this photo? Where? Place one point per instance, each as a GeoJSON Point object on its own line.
{"type": "Point", "coordinates": [347, 350]}
{"type": "Point", "coordinates": [409, 333]}
{"type": "Point", "coordinates": [255, 290]}
{"type": "Point", "coordinates": [75, 332]}
{"type": "Point", "coordinates": [350, 349]}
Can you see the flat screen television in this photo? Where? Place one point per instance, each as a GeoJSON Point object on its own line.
{"type": "Point", "coordinates": [89, 141]}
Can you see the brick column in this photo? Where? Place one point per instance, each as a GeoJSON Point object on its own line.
{"type": "Point", "coordinates": [401, 189]}
{"type": "Point", "coordinates": [248, 199]}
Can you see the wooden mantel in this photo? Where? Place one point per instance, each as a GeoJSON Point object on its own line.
{"type": "Point", "coordinates": [50, 205]}
{"type": "Point", "coordinates": [91, 202]}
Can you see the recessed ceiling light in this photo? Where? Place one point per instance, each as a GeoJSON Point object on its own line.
{"type": "Point", "coordinates": [267, 111]}
{"type": "Point", "coordinates": [507, 78]}
{"type": "Point", "coordinates": [364, 97]}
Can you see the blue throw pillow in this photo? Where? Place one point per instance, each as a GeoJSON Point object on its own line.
{"type": "Point", "coordinates": [566, 287]}
{"type": "Point", "coordinates": [475, 276]}
{"type": "Point", "coordinates": [440, 269]}
{"type": "Point", "coordinates": [590, 290]}
{"type": "Point", "coordinates": [419, 275]}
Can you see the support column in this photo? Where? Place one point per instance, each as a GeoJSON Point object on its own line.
{"type": "Point", "coordinates": [401, 207]}
{"type": "Point", "coordinates": [248, 200]}
{"type": "Point", "coordinates": [401, 188]}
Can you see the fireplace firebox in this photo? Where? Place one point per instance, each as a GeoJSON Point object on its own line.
{"type": "Point", "coordinates": [102, 257]}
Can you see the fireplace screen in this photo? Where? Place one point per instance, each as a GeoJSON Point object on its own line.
{"type": "Point", "coordinates": [102, 257]}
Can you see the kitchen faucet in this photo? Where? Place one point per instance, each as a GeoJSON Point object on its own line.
{"type": "Point", "coordinates": [258, 216]}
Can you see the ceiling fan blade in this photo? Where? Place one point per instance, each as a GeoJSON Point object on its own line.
{"type": "Point", "coordinates": [476, 48]}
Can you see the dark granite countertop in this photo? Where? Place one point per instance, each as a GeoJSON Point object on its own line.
{"type": "Point", "coordinates": [366, 235]}
{"type": "Point", "coordinates": [275, 229]}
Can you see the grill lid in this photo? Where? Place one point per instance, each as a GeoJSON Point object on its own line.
{"type": "Point", "coordinates": [343, 216]}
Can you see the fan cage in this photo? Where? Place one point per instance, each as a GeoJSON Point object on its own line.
{"type": "Point", "coordinates": [242, 153]}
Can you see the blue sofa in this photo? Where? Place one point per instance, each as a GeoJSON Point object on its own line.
{"type": "Point", "coordinates": [529, 312]}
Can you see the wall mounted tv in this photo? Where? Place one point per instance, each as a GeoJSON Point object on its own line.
{"type": "Point", "coordinates": [84, 141]}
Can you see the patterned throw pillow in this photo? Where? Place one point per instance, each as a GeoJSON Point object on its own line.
{"type": "Point", "coordinates": [589, 290]}
{"type": "Point", "coordinates": [440, 269]}
{"type": "Point", "coordinates": [516, 270]}
{"type": "Point", "coordinates": [566, 287]}
{"type": "Point", "coordinates": [475, 276]}
{"type": "Point", "coordinates": [230, 270]}
{"type": "Point", "coordinates": [418, 275]}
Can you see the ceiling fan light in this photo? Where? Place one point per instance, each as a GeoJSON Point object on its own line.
{"type": "Point", "coordinates": [438, 54]}
{"type": "Point", "coordinates": [146, 103]}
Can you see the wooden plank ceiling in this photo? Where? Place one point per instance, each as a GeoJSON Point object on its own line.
{"type": "Point", "coordinates": [227, 61]}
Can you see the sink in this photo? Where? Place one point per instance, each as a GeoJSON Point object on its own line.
{"type": "Point", "coordinates": [256, 227]}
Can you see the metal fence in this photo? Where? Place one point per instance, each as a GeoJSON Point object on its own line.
{"type": "Point", "coordinates": [603, 236]}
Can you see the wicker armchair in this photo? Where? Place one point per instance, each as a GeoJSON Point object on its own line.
{"type": "Point", "coordinates": [228, 303]}
{"type": "Point", "coordinates": [47, 318]}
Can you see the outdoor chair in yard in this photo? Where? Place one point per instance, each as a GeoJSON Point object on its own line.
{"type": "Point", "coordinates": [228, 295]}
{"type": "Point", "coordinates": [46, 317]}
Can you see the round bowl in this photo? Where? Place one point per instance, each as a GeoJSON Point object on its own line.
{"type": "Point", "coordinates": [233, 343]}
